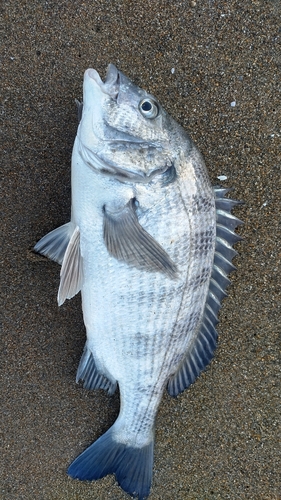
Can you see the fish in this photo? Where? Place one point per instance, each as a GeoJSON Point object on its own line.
{"type": "Point", "coordinates": [150, 247]}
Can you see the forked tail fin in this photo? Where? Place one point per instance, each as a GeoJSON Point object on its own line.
{"type": "Point", "coordinates": [131, 466]}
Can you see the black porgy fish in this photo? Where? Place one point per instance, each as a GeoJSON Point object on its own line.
{"type": "Point", "coordinates": [149, 245]}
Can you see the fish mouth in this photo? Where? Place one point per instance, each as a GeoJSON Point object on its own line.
{"type": "Point", "coordinates": [111, 84]}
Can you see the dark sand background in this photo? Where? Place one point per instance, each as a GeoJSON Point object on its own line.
{"type": "Point", "coordinates": [219, 439]}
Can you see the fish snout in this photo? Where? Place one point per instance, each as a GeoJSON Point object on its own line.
{"type": "Point", "coordinates": [112, 80]}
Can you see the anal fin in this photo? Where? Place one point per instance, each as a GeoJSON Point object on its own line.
{"type": "Point", "coordinates": [71, 275]}
{"type": "Point", "coordinates": [88, 372]}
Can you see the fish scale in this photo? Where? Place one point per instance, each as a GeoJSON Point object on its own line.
{"type": "Point", "coordinates": [149, 245]}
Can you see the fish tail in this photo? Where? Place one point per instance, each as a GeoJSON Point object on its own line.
{"type": "Point", "coordinates": [132, 466]}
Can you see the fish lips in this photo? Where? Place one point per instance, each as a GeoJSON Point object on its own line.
{"type": "Point", "coordinates": [116, 85]}
{"type": "Point", "coordinates": [111, 84]}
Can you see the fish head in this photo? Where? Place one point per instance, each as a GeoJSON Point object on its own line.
{"type": "Point", "coordinates": [124, 131]}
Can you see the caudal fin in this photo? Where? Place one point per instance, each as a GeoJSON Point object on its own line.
{"type": "Point", "coordinates": [131, 466]}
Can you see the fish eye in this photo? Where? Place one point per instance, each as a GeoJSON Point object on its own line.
{"type": "Point", "coordinates": [149, 108]}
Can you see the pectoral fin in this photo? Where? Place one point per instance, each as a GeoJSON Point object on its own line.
{"type": "Point", "coordinates": [71, 270]}
{"type": "Point", "coordinates": [127, 241]}
{"type": "Point", "coordinates": [54, 244]}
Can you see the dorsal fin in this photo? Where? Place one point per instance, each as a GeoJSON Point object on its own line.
{"type": "Point", "coordinates": [201, 351]}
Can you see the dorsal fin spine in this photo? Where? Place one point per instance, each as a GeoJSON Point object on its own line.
{"type": "Point", "coordinates": [200, 353]}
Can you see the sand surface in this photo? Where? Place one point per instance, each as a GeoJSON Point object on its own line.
{"type": "Point", "coordinates": [215, 67]}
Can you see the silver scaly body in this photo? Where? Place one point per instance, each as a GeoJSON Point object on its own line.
{"type": "Point", "coordinates": [150, 246]}
{"type": "Point", "coordinates": [139, 325]}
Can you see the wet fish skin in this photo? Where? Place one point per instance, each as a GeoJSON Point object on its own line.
{"type": "Point", "coordinates": [150, 252]}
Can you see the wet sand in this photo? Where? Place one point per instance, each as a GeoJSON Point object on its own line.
{"type": "Point", "coordinates": [215, 67]}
